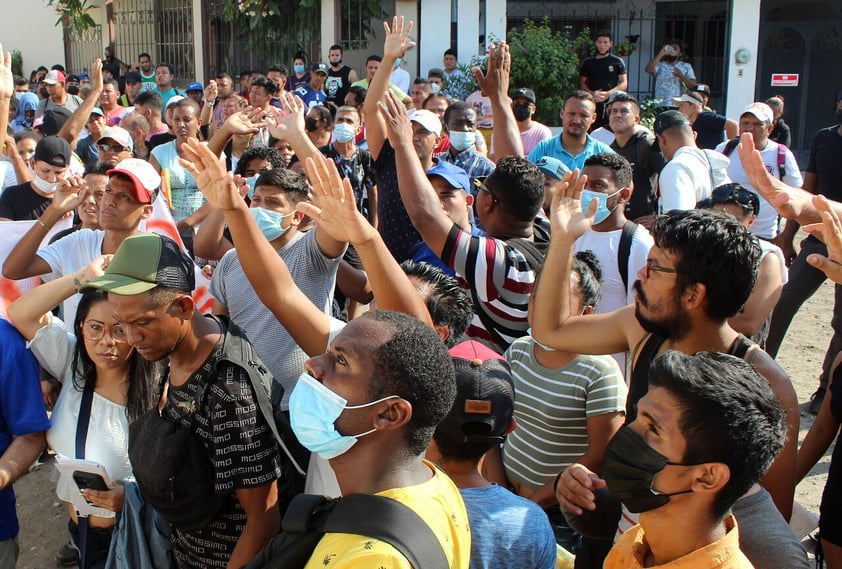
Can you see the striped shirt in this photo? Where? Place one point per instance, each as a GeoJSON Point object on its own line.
{"type": "Point", "coordinates": [500, 280]}
{"type": "Point", "coordinates": [552, 407]}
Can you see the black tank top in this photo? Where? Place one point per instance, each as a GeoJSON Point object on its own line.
{"type": "Point", "coordinates": [742, 348]}
{"type": "Point", "coordinates": [337, 83]}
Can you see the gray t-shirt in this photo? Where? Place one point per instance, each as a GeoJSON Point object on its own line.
{"type": "Point", "coordinates": [315, 275]}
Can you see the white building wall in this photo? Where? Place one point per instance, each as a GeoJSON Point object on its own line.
{"type": "Point", "coordinates": [745, 35]}
{"type": "Point", "coordinates": [30, 27]}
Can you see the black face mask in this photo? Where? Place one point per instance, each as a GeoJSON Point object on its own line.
{"type": "Point", "coordinates": [629, 469]}
{"type": "Point", "coordinates": [337, 63]}
{"type": "Point", "coordinates": [311, 124]}
{"type": "Point", "coordinates": [670, 58]}
{"type": "Point", "coordinates": [521, 112]}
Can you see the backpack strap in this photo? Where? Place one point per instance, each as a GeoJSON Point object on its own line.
{"type": "Point", "coordinates": [624, 251]}
{"type": "Point", "coordinates": [781, 160]}
{"type": "Point", "coordinates": [729, 148]}
{"type": "Point", "coordinates": [390, 521]}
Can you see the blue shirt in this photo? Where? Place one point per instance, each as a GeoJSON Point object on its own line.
{"type": "Point", "coordinates": [472, 162]}
{"type": "Point", "coordinates": [311, 98]}
{"type": "Point", "coordinates": [507, 530]}
{"type": "Point", "coordinates": [22, 409]}
{"type": "Point", "coordinates": [552, 147]}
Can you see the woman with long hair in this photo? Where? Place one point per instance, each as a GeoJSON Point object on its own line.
{"type": "Point", "coordinates": [95, 356]}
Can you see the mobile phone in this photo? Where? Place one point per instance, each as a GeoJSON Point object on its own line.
{"type": "Point", "coordinates": [90, 480]}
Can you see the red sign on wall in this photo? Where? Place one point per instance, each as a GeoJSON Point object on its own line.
{"type": "Point", "coordinates": [784, 79]}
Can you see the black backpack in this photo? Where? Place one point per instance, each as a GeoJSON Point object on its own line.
{"type": "Point", "coordinates": [309, 517]}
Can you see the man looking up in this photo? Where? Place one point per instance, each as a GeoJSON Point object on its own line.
{"type": "Point", "coordinates": [707, 431]}
{"type": "Point", "coordinates": [602, 75]}
{"type": "Point", "coordinates": [635, 144]}
{"type": "Point", "coordinates": [574, 145]}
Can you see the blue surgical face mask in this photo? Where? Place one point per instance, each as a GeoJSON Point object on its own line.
{"type": "Point", "coordinates": [251, 181]}
{"type": "Point", "coordinates": [343, 132]}
{"type": "Point", "coordinates": [298, 68]}
{"type": "Point", "coordinates": [313, 410]}
{"type": "Point", "coordinates": [602, 211]}
{"type": "Point", "coordinates": [398, 62]}
{"type": "Point", "coordinates": [270, 222]}
{"type": "Point", "coordinates": [461, 140]}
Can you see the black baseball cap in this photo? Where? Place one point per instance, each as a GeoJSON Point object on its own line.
{"type": "Point", "coordinates": [133, 77]}
{"type": "Point", "coordinates": [702, 88]}
{"type": "Point", "coordinates": [669, 119]}
{"type": "Point", "coordinates": [524, 93]}
{"type": "Point", "coordinates": [143, 262]}
{"type": "Point", "coordinates": [53, 150]}
{"type": "Point", "coordinates": [734, 192]}
{"type": "Point", "coordinates": [319, 67]}
{"type": "Point", "coordinates": [485, 397]}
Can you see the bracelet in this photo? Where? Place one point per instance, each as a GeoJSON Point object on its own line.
{"type": "Point", "coordinates": [556, 481]}
{"type": "Point", "coordinates": [42, 224]}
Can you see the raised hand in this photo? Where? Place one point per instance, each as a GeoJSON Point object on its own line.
{"type": "Point", "coordinates": [398, 125]}
{"type": "Point", "coordinates": [248, 121]}
{"type": "Point", "coordinates": [566, 215]}
{"type": "Point", "coordinates": [574, 491]}
{"type": "Point", "coordinates": [96, 75]}
{"type": "Point", "coordinates": [7, 78]}
{"type": "Point", "coordinates": [69, 194]}
{"type": "Point", "coordinates": [292, 123]}
{"type": "Point", "coordinates": [495, 81]}
{"type": "Point", "coordinates": [397, 38]}
{"type": "Point", "coordinates": [830, 232]}
{"type": "Point", "coordinates": [94, 270]}
{"type": "Point", "coordinates": [211, 91]}
{"type": "Point", "coordinates": [213, 180]}
{"type": "Point", "coordinates": [790, 202]}
{"type": "Point", "coordinates": [333, 204]}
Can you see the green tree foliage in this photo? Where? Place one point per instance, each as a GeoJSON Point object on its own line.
{"type": "Point", "coordinates": [548, 63]}
{"type": "Point", "coordinates": [73, 14]}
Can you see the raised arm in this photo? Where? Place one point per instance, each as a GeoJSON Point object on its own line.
{"type": "Point", "coordinates": [247, 121]}
{"type": "Point", "coordinates": [77, 121]}
{"type": "Point", "coordinates": [495, 85]}
{"type": "Point", "coordinates": [7, 88]}
{"type": "Point", "coordinates": [290, 127]}
{"type": "Point", "coordinates": [23, 261]}
{"type": "Point", "coordinates": [419, 198]}
{"type": "Point", "coordinates": [552, 324]}
{"type": "Point", "coordinates": [29, 313]}
{"type": "Point", "coordinates": [396, 43]}
{"type": "Point", "coordinates": [829, 231]}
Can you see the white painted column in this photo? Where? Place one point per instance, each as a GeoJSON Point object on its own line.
{"type": "Point", "coordinates": [198, 43]}
{"type": "Point", "coordinates": [434, 33]}
{"type": "Point", "coordinates": [328, 29]}
{"type": "Point", "coordinates": [495, 20]}
{"type": "Point", "coordinates": [467, 34]}
{"type": "Point", "coordinates": [745, 35]}
{"type": "Point", "coordinates": [409, 10]}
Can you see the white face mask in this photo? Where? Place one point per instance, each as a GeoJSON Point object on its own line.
{"type": "Point", "coordinates": [44, 185]}
{"type": "Point", "coordinates": [435, 88]}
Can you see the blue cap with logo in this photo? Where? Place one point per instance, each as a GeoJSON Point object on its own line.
{"type": "Point", "coordinates": [452, 174]}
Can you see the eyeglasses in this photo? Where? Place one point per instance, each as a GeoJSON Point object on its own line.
{"type": "Point", "coordinates": [657, 268]}
{"type": "Point", "coordinates": [737, 193]}
{"type": "Point", "coordinates": [111, 148]}
{"type": "Point", "coordinates": [94, 331]}
{"type": "Point", "coordinates": [479, 183]}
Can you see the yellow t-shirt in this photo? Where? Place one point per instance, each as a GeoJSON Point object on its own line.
{"type": "Point", "coordinates": [439, 504]}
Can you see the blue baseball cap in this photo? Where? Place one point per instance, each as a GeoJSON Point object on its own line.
{"type": "Point", "coordinates": [453, 175]}
{"type": "Point", "coordinates": [194, 86]}
{"type": "Point", "coordinates": [552, 167]}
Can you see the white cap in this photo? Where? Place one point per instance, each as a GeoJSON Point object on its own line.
{"type": "Point", "coordinates": [762, 111]}
{"type": "Point", "coordinates": [118, 135]}
{"type": "Point", "coordinates": [146, 179]}
{"type": "Point", "coordinates": [427, 119]}
{"type": "Point", "coordinates": [173, 100]}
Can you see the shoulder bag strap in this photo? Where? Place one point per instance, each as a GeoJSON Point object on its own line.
{"type": "Point", "coordinates": [391, 521]}
{"type": "Point", "coordinates": [624, 252]}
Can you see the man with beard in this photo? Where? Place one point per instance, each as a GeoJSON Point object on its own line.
{"type": "Point", "coordinates": [602, 75]}
{"type": "Point", "coordinates": [574, 145]}
{"type": "Point", "coordinates": [698, 274]}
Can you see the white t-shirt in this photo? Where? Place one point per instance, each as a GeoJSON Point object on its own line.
{"type": "Point", "coordinates": [7, 175]}
{"type": "Point", "coordinates": [771, 248]}
{"type": "Point", "coordinates": [69, 254]}
{"type": "Point", "coordinates": [400, 79]}
{"type": "Point", "coordinates": [766, 224]}
{"type": "Point", "coordinates": [108, 428]}
{"type": "Point", "coordinates": [605, 245]}
{"type": "Point", "coordinates": [690, 177]}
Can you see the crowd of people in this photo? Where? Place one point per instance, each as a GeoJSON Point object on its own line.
{"type": "Point", "coordinates": [555, 350]}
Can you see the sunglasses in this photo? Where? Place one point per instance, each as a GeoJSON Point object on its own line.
{"type": "Point", "coordinates": [649, 267]}
{"type": "Point", "coordinates": [735, 192]}
{"type": "Point", "coordinates": [479, 182]}
{"type": "Point", "coordinates": [111, 148]}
